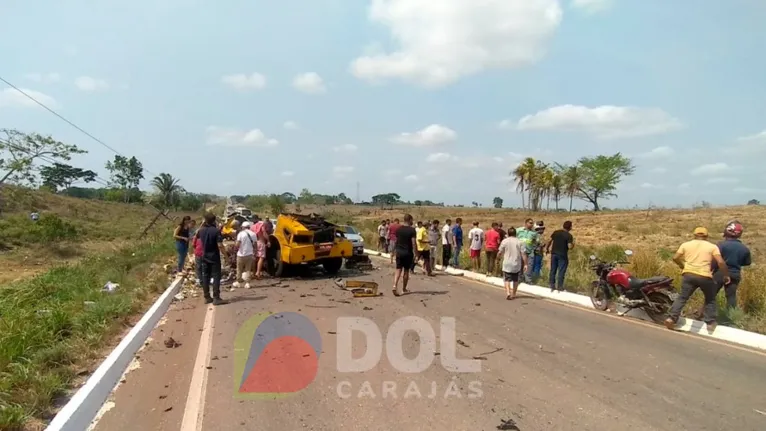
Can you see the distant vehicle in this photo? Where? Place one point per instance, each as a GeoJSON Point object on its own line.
{"type": "Point", "coordinates": [353, 235]}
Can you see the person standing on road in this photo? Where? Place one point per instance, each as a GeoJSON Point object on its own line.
{"type": "Point", "coordinates": [515, 258]}
{"type": "Point", "coordinates": [493, 243]}
{"type": "Point", "coordinates": [529, 237]}
{"type": "Point", "coordinates": [447, 241]}
{"type": "Point", "coordinates": [434, 235]}
{"type": "Point", "coordinates": [405, 254]}
{"type": "Point", "coordinates": [261, 242]}
{"type": "Point", "coordinates": [181, 235]}
{"type": "Point", "coordinates": [392, 228]}
{"type": "Point", "coordinates": [424, 249]}
{"type": "Point", "coordinates": [476, 236]}
{"type": "Point", "coordinates": [695, 258]}
{"type": "Point", "coordinates": [419, 232]}
{"type": "Point", "coordinates": [246, 245]}
{"type": "Point", "coordinates": [457, 242]}
{"type": "Point", "coordinates": [212, 249]}
{"type": "Point", "coordinates": [537, 262]}
{"type": "Point", "coordinates": [558, 247]}
{"type": "Point", "coordinates": [736, 255]}
{"type": "Point", "coordinates": [382, 237]}
{"type": "Point", "coordinates": [198, 253]}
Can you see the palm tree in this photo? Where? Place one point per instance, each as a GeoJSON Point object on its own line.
{"type": "Point", "coordinates": [572, 177]}
{"type": "Point", "coordinates": [557, 186]}
{"type": "Point", "coordinates": [167, 187]}
{"type": "Point", "coordinates": [524, 175]}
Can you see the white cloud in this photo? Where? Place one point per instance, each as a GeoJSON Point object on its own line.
{"type": "Point", "coordinates": [342, 171]}
{"type": "Point", "coordinates": [659, 153]}
{"type": "Point", "coordinates": [11, 98]}
{"type": "Point", "coordinates": [288, 173]}
{"type": "Point", "coordinates": [651, 186]}
{"type": "Point", "coordinates": [722, 181]}
{"type": "Point", "coordinates": [443, 41]}
{"type": "Point", "coordinates": [439, 158]}
{"type": "Point", "coordinates": [411, 178]}
{"type": "Point", "coordinates": [506, 124]}
{"type": "Point", "coordinates": [591, 6]}
{"type": "Point", "coordinates": [87, 83]}
{"type": "Point", "coordinates": [602, 122]}
{"type": "Point", "coordinates": [753, 143]}
{"type": "Point", "coordinates": [710, 169]}
{"type": "Point", "coordinates": [498, 159]}
{"type": "Point", "coordinates": [348, 148]}
{"type": "Point", "coordinates": [290, 125]}
{"type": "Point", "coordinates": [242, 82]}
{"type": "Point", "coordinates": [659, 170]}
{"type": "Point", "coordinates": [228, 137]}
{"type": "Point", "coordinates": [43, 78]}
{"type": "Point", "coordinates": [432, 135]}
{"type": "Point", "coordinates": [310, 83]}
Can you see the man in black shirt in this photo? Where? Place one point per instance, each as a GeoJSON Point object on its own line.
{"type": "Point", "coordinates": [405, 254]}
{"type": "Point", "coordinates": [558, 246]}
{"type": "Point", "coordinates": [212, 248]}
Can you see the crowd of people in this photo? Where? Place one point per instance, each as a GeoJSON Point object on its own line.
{"type": "Point", "coordinates": [516, 253]}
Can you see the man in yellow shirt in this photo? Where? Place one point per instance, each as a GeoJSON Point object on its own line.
{"type": "Point", "coordinates": [695, 258]}
{"type": "Point", "coordinates": [424, 247]}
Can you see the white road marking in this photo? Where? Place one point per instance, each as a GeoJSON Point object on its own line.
{"type": "Point", "coordinates": [195, 401]}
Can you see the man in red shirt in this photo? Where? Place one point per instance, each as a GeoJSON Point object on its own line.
{"type": "Point", "coordinates": [392, 238]}
{"type": "Point", "coordinates": [493, 242]}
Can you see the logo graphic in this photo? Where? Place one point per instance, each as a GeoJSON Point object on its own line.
{"type": "Point", "coordinates": [275, 355]}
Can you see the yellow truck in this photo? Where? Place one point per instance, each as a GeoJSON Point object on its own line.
{"type": "Point", "coordinates": [300, 239]}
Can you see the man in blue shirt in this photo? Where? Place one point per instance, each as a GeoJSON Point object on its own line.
{"type": "Point", "coordinates": [457, 238]}
{"type": "Point", "coordinates": [736, 255]}
{"type": "Point", "coordinates": [212, 249]}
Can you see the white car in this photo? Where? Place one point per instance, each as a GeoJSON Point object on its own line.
{"type": "Point", "coordinates": [355, 237]}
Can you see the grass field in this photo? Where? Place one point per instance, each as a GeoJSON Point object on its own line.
{"type": "Point", "coordinates": [55, 322]}
{"type": "Point", "coordinates": [653, 235]}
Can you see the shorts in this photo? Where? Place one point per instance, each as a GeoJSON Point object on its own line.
{"type": "Point", "coordinates": [391, 245]}
{"type": "Point", "coordinates": [475, 253]}
{"type": "Point", "coordinates": [511, 276]}
{"type": "Point", "coordinates": [260, 249]}
{"type": "Point", "coordinates": [405, 261]}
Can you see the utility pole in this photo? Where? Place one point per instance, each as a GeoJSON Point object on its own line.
{"type": "Point", "coordinates": [357, 192]}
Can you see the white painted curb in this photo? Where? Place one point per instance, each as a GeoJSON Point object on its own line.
{"type": "Point", "coordinates": [80, 411]}
{"type": "Point", "coordinates": [723, 333]}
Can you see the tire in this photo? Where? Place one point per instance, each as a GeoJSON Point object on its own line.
{"type": "Point", "coordinates": [275, 267]}
{"type": "Point", "coordinates": [662, 301]}
{"type": "Point", "coordinates": [332, 265]}
{"type": "Point", "coordinates": [597, 297]}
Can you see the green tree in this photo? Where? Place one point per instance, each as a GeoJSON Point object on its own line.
{"type": "Point", "coordinates": [497, 202]}
{"type": "Point", "coordinates": [306, 197]}
{"type": "Point", "coordinates": [601, 175]}
{"type": "Point", "coordinates": [61, 176]}
{"type": "Point", "coordinates": [126, 173]}
{"type": "Point", "coordinates": [276, 204]}
{"type": "Point", "coordinates": [386, 199]}
{"type": "Point", "coordinates": [19, 151]}
{"type": "Point", "coordinates": [571, 179]}
{"type": "Point", "coordinates": [168, 190]}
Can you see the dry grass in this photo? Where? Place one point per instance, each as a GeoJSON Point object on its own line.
{"type": "Point", "coordinates": [653, 235]}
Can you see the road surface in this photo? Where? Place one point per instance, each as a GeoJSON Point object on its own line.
{"type": "Point", "coordinates": [544, 366]}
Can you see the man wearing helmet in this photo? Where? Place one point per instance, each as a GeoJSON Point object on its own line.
{"type": "Point", "coordinates": [736, 255]}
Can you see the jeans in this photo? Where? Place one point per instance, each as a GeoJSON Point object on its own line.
{"type": "Point", "coordinates": [456, 255]}
{"type": "Point", "coordinates": [446, 254]}
{"type": "Point", "coordinates": [689, 284]}
{"type": "Point", "coordinates": [730, 289]}
{"type": "Point", "coordinates": [559, 266]}
{"type": "Point", "coordinates": [198, 268]}
{"type": "Point", "coordinates": [537, 266]}
{"type": "Point", "coordinates": [211, 269]}
{"type": "Point", "coordinates": [182, 247]}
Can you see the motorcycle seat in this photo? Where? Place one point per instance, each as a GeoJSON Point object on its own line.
{"type": "Point", "coordinates": [636, 283]}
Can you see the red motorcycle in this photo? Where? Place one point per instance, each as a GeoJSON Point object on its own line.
{"type": "Point", "coordinates": [654, 295]}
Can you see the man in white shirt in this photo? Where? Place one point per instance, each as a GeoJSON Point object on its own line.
{"type": "Point", "coordinates": [476, 236]}
{"type": "Point", "coordinates": [514, 256]}
{"type": "Point", "coordinates": [446, 243]}
{"type": "Point", "coordinates": [382, 236]}
{"type": "Point", "coordinates": [246, 243]}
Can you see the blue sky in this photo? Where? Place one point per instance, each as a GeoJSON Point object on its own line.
{"type": "Point", "coordinates": [433, 100]}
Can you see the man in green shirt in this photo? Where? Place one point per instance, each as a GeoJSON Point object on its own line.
{"type": "Point", "coordinates": [531, 239]}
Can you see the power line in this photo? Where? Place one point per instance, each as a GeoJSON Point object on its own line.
{"type": "Point", "coordinates": [66, 121]}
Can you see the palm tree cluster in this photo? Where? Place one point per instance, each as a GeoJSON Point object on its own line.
{"type": "Point", "coordinates": [539, 182]}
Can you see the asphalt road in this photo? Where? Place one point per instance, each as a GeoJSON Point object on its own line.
{"type": "Point", "coordinates": [544, 366]}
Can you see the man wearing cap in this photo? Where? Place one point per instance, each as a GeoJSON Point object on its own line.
{"type": "Point", "coordinates": [695, 258]}
{"type": "Point", "coordinates": [736, 255]}
{"type": "Point", "coordinates": [537, 261]}
{"type": "Point", "coordinates": [246, 245]}
{"type": "Point", "coordinates": [530, 238]}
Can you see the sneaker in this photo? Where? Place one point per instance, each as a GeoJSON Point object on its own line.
{"type": "Point", "coordinates": [247, 285]}
{"type": "Point", "coordinates": [670, 324]}
{"type": "Point", "coordinates": [219, 301]}
{"type": "Point", "coordinates": [235, 285]}
{"type": "Point", "coordinates": [208, 300]}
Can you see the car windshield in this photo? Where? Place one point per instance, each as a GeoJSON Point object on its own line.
{"type": "Point", "coordinates": [351, 230]}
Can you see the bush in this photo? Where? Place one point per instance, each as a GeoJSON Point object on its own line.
{"type": "Point", "coordinates": [19, 230]}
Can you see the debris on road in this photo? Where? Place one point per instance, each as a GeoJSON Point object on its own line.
{"type": "Point", "coordinates": [171, 343]}
{"type": "Point", "coordinates": [462, 343]}
{"type": "Point", "coordinates": [360, 289]}
{"type": "Point", "coordinates": [367, 309]}
{"type": "Point", "coordinates": [494, 351]}
{"type": "Point", "coordinates": [110, 287]}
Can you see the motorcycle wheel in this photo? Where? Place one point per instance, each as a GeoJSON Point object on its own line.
{"type": "Point", "coordinates": [598, 298]}
{"type": "Point", "coordinates": [662, 303]}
